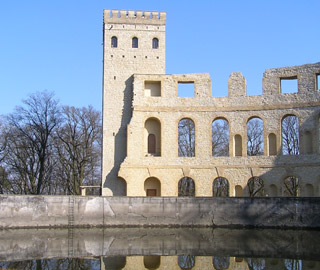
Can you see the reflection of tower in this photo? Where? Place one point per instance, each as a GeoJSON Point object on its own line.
{"type": "Point", "coordinates": [134, 43]}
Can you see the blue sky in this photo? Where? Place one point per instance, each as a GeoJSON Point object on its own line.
{"type": "Point", "coordinates": [56, 45]}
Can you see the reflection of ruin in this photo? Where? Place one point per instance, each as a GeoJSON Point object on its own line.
{"type": "Point", "coordinates": [153, 139]}
{"type": "Point", "coordinates": [207, 262]}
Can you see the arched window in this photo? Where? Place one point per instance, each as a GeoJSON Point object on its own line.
{"type": "Point", "coordinates": [114, 42]}
{"type": "Point", "coordinates": [290, 135]}
{"type": "Point", "coordinates": [256, 187]}
{"type": "Point", "coordinates": [114, 262]}
{"type": "Point", "coordinates": [135, 42]}
{"type": "Point", "coordinates": [155, 43]}
{"type": "Point", "coordinates": [186, 187]}
{"type": "Point", "coordinates": [186, 262]}
{"type": "Point", "coordinates": [309, 191]}
{"type": "Point", "coordinates": [151, 262]}
{"type": "Point", "coordinates": [120, 187]}
{"type": "Point", "coordinates": [255, 137]}
{"type": "Point", "coordinates": [220, 138]}
{"type": "Point", "coordinates": [152, 187]}
{"type": "Point", "coordinates": [273, 191]}
{"type": "Point", "coordinates": [152, 137]}
{"type": "Point", "coordinates": [291, 187]}
{"type": "Point", "coordinates": [221, 263]}
{"type": "Point", "coordinates": [186, 138]}
{"type": "Point", "coordinates": [220, 187]}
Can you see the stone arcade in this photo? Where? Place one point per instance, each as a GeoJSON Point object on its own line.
{"type": "Point", "coordinates": [142, 111]}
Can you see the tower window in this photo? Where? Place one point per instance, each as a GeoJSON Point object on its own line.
{"type": "Point", "coordinates": [135, 42]}
{"type": "Point", "coordinates": [114, 42]}
{"type": "Point", "coordinates": [155, 43]}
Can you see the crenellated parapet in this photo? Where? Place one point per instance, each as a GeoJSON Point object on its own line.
{"type": "Point", "coordinates": [136, 17]}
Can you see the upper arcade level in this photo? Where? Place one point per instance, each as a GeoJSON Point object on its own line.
{"type": "Point", "coordinates": [162, 90]}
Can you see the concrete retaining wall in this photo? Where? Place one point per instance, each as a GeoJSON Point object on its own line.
{"type": "Point", "coordinates": [64, 211]}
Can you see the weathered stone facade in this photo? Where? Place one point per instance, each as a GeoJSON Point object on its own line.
{"type": "Point", "coordinates": [139, 100]}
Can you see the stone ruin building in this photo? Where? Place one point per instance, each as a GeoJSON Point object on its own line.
{"type": "Point", "coordinates": [143, 151]}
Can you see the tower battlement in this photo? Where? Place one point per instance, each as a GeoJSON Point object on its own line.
{"type": "Point", "coordinates": [136, 17]}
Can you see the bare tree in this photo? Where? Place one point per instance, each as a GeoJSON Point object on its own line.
{"type": "Point", "coordinates": [291, 186]}
{"type": "Point", "coordinates": [256, 187]}
{"type": "Point", "coordinates": [186, 261]}
{"type": "Point", "coordinates": [220, 138]}
{"type": "Point", "coordinates": [220, 187]}
{"type": "Point", "coordinates": [290, 135]}
{"type": "Point", "coordinates": [221, 263]}
{"type": "Point", "coordinates": [186, 138]}
{"type": "Point", "coordinates": [186, 187]}
{"type": "Point", "coordinates": [29, 160]}
{"type": "Point", "coordinates": [78, 143]}
{"type": "Point", "coordinates": [3, 139]}
{"type": "Point", "coordinates": [255, 137]}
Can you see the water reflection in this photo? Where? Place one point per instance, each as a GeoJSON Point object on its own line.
{"type": "Point", "coordinates": [164, 262]}
{"type": "Point", "coordinates": [137, 248]}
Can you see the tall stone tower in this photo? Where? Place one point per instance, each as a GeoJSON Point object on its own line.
{"type": "Point", "coordinates": [133, 43]}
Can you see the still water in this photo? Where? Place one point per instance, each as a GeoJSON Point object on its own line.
{"type": "Point", "coordinates": [142, 248]}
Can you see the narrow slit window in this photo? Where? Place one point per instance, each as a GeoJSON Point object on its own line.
{"type": "Point", "coordinates": [155, 43]}
{"type": "Point", "coordinates": [318, 82]}
{"type": "Point", "coordinates": [186, 89]}
{"type": "Point", "coordinates": [114, 42]}
{"type": "Point", "coordinates": [289, 85]}
{"type": "Point", "coordinates": [135, 42]}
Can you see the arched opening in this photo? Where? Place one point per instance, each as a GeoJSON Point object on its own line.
{"type": "Point", "coordinates": [237, 146]}
{"type": "Point", "coordinates": [255, 137]}
{"type": "Point", "coordinates": [114, 42]}
{"type": "Point", "coordinates": [151, 262]}
{"type": "Point", "coordinates": [220, 187]}
{"type": "Point", "coordinates": [293, 264]}
{"type": "Point", "coordinates": [152, 130]}
{"type": "Point", "coordinates": [273, 190]}
{"type": "Point", "coordinates": [152, 187]}
{"type": "Point", "coordinates": [120, 189]}
{"type": "Point", "coordinates": [155, 43]}
{"type": "Point", "coordinates": [220, 138]}
{"type": "Point", "coordinates": [272, 144]}
{"type": "Point", "coordinates": [186, 262]}
{"type": "Point", "coordinates": [114, 262]}
{"type": "Point", "coordinates": [290, 135]}
{"type": "Point", "coordinates": [135, 42]}
{"type": "Point", "coordinates": [291, 187]}
{"type": "Point", "coordinates": [238, 191]}
{"type": "Point", "coordinates": [256, 187]}
{"type": "Point", "coordinates": [221, 263]}
{"type": "Point", "coordinates": [186, 187]}
{"type": "Point", "coordinates": [307, 138]}
{"type": "Point", "coordinates": [256, 263]}
{"type": "Point", "coordinates": [309, 191]}
{"type": "Point", "coordinates": [186, 138]}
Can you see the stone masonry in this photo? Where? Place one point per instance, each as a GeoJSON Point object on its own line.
{"type": "Point", "coordinates": [139, 100]}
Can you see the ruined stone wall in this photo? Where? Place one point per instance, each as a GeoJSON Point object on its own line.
{"type": "Point", "coordinates": [272, 106]}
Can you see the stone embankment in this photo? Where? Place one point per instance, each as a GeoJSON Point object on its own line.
{"type": "Point", "coordinates": [76, 211]}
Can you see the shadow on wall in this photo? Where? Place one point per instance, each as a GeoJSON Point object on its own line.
{"type": "Point", "coordinates": [113, 182]}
